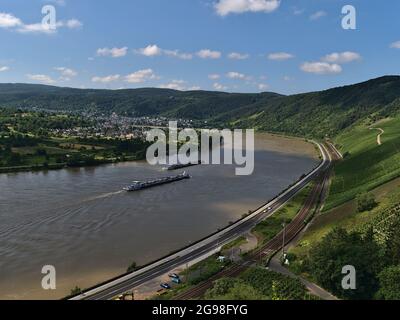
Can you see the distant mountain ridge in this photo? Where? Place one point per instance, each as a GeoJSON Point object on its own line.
{"type": "Point", "coordinates": [132, 102]}
{"type": "Point", "coordinates": [308, 114]}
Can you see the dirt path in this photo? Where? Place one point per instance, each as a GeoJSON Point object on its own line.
{"type": "Point", "coordinates": [378, 138]}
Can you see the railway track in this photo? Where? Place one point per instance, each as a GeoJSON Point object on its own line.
{"type": "Point", "coordinates": [280, 240]}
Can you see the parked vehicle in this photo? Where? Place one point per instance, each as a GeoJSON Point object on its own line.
{"type": "Point", "coordinates": [176, 280]}
{"type": "Point", "coordinates": [165, 286]}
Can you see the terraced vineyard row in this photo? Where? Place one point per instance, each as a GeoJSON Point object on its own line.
{"type": "Point", "coordinates": [382, 224]}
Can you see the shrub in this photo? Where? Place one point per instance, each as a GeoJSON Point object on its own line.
{"type": "Point", "coordinates": [366, 201]}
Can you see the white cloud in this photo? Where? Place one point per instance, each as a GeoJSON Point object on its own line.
{"type": "Point", "coordinates": [66, 73]}
{"type": "Point", "coordinates": [37, 28]}
{"type": "Point", "coordinates": [219, 87]}
{"type": "Point", "coordinates": [263, 86]}
{"type": "Point", "coordinates": [321, 68]}
{"type": "Point", "coordinates": [141, 76]}
{"type": "Point", "coordinates": [154, 50]}
{"type": "Point", "coordinates": [113, 52]}
{"type": "Point", "coordinates": [73, 24]}
{"type": "Point", "coordinates": [297, 11]}
{"type": "Point", "coordinates": [280, 56]}
{"type": "Point", "coordinates": [150, 51]}
{"type": "Point", "coordinates": [178, 85]}
{"type": "Point", "coordinates": [226, 7]}
{"type": "Point", "coordinates": [236, 75]}
{"type": "Point", "coordinates": [214, 76]}
{"type": "Point", "coordinates": [41, 78]}
{"type": "Point", "coordinates": [238, 56]}
{"type": "Point", "coordinates": [318, 15]}
{"type": "Point", "coordinates": [209, 54]}
{"type": "Point", "coordinates": [48, 29]}
{"type": "Point", "coordinates": [106, 79]}
{"type": "Point", "coordinates": [342, 57]}
{"type": "Point", "coordinates": [395, 45]}
{"type": "Point", "coordinates": [8, 20]}
{"type": "Point", "coordinates": [178, 54]}
{"type": "Point", "coordinates": [4, 68]}
{"type": "Point", "coordinates": [175, 85]}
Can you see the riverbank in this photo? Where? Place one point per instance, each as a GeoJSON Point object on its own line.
{"type": "Point", "coordinates": [272, 142]}
{"type": "Point", "coordinates": [59, 166]}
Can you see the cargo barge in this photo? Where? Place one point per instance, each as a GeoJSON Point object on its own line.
{"type": "Point", "coordinates": [140, 185]}
{"type": "Point", "coordinates": [181, 166]}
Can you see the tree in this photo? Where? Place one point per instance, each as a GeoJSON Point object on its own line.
{"type": "Point", "coordinates": [133, 267]}
{"type": "Point", "coordinates": [389, 281]}
{"type": "Point", "coordinates": [340, 248]}
{"type": "Point", "coordinates": [366, 201]}
{"type": "Point", "coordinates": [221, 287]}
{"type": "Point", "coordinates": [75, 291]}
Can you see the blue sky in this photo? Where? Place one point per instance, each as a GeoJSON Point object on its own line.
{"type": "Point", "coordinates": [286, 46]}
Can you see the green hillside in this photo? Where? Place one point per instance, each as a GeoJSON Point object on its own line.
{"type": "Point", "coordinates": [328, 112]}
{"type": "Point", "coordinates": [309, 114]}
{"type": "Point", "coordinates": [366, 164]}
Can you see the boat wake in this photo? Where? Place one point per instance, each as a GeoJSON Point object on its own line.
{"type": "Point", "coordinates": [64, 212]}
{"type": "Point", "coordinates": [106, 195]}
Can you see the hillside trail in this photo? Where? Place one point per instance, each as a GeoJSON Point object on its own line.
{"type": "Point", "coordinates": [378, 138]}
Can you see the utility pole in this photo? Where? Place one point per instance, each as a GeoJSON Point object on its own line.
{"type": "Point", "coordinates": [283, 242]}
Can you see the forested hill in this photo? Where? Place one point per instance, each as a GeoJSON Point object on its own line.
{"type": "Point", "coordinates": [328, 112]}
{"type": "Point", "coordinates": [311, 114]}
{"type": "Point", "coordinates": [132, 102]}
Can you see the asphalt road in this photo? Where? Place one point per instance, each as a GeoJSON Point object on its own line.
{"type": "Point", "coordinates": [125, 283]}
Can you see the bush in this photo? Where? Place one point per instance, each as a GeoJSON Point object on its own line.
{"type": "Point", "coordinates": [75, 291]}
{"type": "Point", "coordinates": [389, 280]}
{"type": "Point", "coordinates": [366, 202]}
{"type": "Point", "coordinates": [133, 267]}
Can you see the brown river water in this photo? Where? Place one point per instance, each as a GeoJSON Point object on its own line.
{"type": "Point", "coordinates": [79, 221]}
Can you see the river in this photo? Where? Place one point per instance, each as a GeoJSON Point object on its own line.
{"type": "Point", "coordinates": [79, 221]}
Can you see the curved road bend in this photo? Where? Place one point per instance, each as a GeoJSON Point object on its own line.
{"type": "Point", "coordinates": [209, 245]}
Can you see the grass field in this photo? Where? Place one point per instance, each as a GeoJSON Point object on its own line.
{"type": "Point", "coordinates": [367, 165]}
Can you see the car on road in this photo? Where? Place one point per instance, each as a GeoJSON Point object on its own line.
{"type": "Point", "coordinates": [165, 286]}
